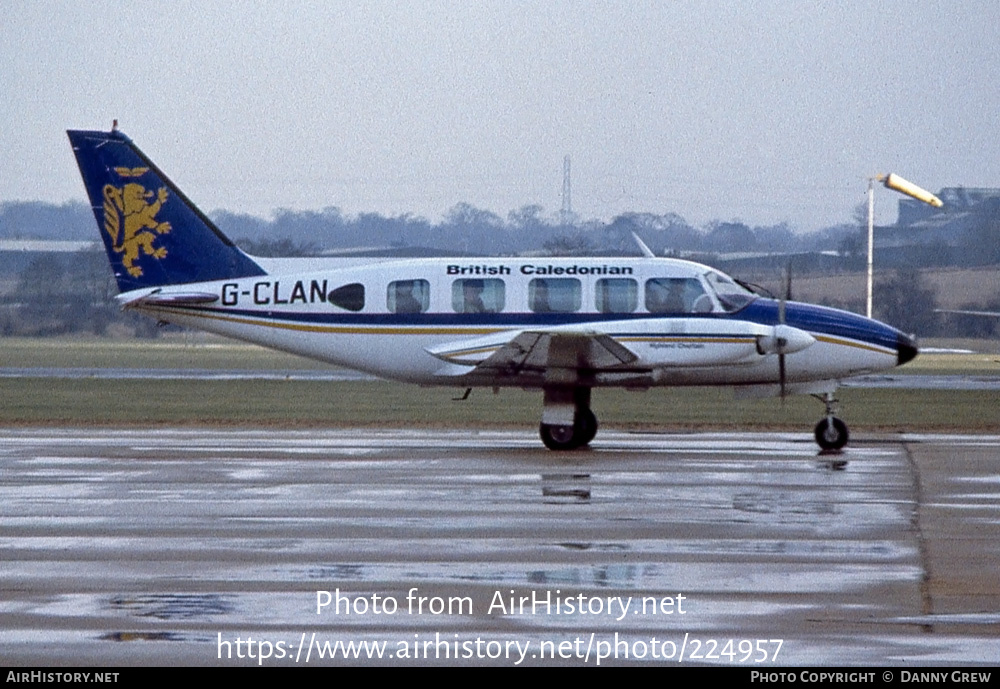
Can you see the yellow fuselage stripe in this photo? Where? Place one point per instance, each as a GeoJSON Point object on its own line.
{"type": "Point", "coordinates": [425, 330]}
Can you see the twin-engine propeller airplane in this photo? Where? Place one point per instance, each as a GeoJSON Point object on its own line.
{"type": "Point", "coordinates": [562, 325]}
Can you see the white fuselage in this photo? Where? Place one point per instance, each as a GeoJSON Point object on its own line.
{"type": "Point", "coordinates": [432, 321]}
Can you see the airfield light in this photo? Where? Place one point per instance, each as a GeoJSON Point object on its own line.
{"type": "Point", "coordinates": [896, 183]}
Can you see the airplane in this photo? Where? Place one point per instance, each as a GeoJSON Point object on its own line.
{"type": "Point", "coordinates": [563, 326]}
{"type": "Point", "coordinates": [961, 312]}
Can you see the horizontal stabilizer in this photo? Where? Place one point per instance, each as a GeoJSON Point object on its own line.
{"type": "Point", "coordinates": [158, 298]}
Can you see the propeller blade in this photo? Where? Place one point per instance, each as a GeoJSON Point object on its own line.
{"type": "Point", "coordinates": [782, 343]}
{"type": "Point", "coordinates": [781, 376]}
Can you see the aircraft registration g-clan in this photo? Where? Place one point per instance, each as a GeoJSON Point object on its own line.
{"type": "Point", "coordinates": [561, 325]}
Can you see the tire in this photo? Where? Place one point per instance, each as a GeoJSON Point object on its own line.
{"type": "Point", "coordinates": [558, 437]}
{"type": "Point", "coordinates": [586, 426]}
{"type": "Point", "coordinates": [831, 433]}
{"type": "Point", "coordinates": [570, 437]}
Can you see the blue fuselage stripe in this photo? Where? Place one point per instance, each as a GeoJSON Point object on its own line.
{"type": "Point", "coordinates": [817, 320]}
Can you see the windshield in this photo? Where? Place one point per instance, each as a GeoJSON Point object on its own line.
{"type": "Point", "coordinates": [732, 296]}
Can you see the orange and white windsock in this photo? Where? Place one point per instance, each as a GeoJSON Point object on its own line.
{"type": "Point", "coordinates": [893, 181]}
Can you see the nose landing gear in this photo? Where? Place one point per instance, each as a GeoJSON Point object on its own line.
{"type": "Point", "coordinates": [831, 433]}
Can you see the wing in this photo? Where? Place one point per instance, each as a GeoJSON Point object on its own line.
{"type": "Point", "coordinates": [555, 356]}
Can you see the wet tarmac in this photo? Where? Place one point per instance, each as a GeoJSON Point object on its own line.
{"type": "Point", "coordinates": [209, 547]}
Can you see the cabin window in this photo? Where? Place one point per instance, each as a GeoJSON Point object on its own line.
{"type": "Point", "coordinates": [554, 295]}
{"type": "Point", "coordinates": [616, 295]}
{"type": "Point", "coordinates": [350, 297]}
{"type": "Point", "coordinates": [677, 295]}
{"type": "Point", "coordinates": [408, 296]}
{"type": "Point", "coordinates": [477, 296]}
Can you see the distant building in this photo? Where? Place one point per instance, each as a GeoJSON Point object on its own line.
{"type": "Point", "coordinates": [956, 200]}
{"type": "Point", "coordinates": [958, 233]}
{"type": "Point", "coordinates": [15, 254]}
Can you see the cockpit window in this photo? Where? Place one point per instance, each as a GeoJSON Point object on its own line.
{"type": "Point", "coordinates": [677, 295]}
{"type": "Point", "coordinates": [732, 296]}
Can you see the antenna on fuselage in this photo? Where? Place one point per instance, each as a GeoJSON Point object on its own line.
{"type": "Point", "coordinates": [646, 251]}
{"type": "Point", "coordinates": [566, 214]}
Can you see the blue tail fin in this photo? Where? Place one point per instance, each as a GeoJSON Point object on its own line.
{"type": "Point", "coordinates": [153, 234]}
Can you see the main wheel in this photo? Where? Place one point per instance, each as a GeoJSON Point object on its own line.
{"type": "Point", "coordinates": [558, 437]}
{"type": "Point", "coordinates": [831, 433]}
{"type": "Point", "coordinates": [582, 431]}
{"type": "Point", "coordinates": [586, 425]}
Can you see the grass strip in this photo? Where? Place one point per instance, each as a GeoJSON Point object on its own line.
{"type": "Point", "coordinates": [296, 403]}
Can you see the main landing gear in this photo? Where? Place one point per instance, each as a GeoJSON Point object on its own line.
{"type": "Point", "coordinates": [831, 433]}
{"type": "Point", "coordinates": [567, 420]}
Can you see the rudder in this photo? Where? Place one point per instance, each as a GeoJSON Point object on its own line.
{"type": "Point", "coordinates": [153, 234]}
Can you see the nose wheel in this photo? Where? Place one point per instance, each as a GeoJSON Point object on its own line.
{"type": "Point", "coordinates": [831, 433]}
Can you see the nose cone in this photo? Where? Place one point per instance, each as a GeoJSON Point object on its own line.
{"type": "Point", "coordinates": [907, 348]}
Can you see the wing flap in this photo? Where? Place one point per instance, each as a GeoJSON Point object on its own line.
{"type": "Point", "coordinates": [556, 354]}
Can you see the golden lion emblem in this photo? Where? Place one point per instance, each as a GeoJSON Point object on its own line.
{"type": "Point", "coordinates": [129, 218]}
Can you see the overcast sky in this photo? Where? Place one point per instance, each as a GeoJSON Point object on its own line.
{"type": "Point", "coordinates": [763, 111]}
